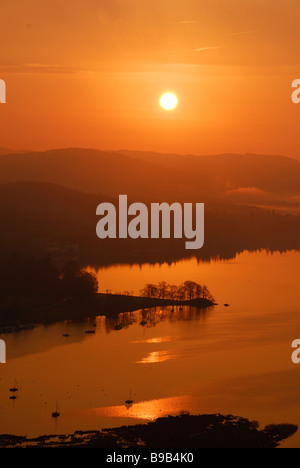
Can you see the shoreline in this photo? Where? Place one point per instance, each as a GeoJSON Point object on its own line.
{"type": "Point", "coordinates": [181, 431]}
{"type": "Point", "coordinates": [109, 305]}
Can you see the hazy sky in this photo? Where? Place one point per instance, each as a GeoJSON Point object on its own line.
{"type": "Point", "coordinates": [90, 73]}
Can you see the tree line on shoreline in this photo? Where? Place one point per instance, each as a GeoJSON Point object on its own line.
{"type": "Point", "coordinates": [39, 280]}
{"type": "Point", "coordinates": [188, 291]}
{"type": "Point", "coordinates": [23, 276]}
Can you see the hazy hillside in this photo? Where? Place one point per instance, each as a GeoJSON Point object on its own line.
{"type": "Point", "coordinates": [4, 151]}
{"type": "Point", "coordinates": [250, 179]}
{"type": "Point", "coordinates": [274, 174]}
{"type": "Point", "coordinates": [39, 218]}
{"type": "Point", "coordinates": [90, 171]}
{"type": "Point", "coordinates": [9, 151]}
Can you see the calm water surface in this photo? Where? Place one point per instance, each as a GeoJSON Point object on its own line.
{"type": "Point", "coordinates": [235, 360]}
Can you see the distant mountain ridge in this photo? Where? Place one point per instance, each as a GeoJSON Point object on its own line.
{"type": "Point", "coordinates": [158, 176]}
{"type": "Point", "coordinates": [265, 172]}
{"type": "Point", "coordinates": [10, 151]}
{"type": "Point", "coordinates": [5, 151]}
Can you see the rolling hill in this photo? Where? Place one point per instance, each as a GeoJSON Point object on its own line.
{"type": "Point", "coordinates": [251, 179]}
{"type": "Point", "coordinates": [40, 219]}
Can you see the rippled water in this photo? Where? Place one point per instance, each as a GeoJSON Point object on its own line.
{"type": "Point", "coordinates": [229, 360]}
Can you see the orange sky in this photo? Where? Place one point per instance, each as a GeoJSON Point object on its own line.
{"type": "Point", "coordinates": [90, 73]}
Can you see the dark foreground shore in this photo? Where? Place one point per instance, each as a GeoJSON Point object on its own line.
{"type": "Point", "coordinates": [184, 431]}
{"type": "Point", "coordinates": [109, 305]}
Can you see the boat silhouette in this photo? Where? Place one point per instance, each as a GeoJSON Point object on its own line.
{"type": "Point", "coordinates": [14, 389]}
{"type": "Point", "coordinates": [56, 413]}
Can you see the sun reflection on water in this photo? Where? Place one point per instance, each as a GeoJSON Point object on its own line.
{"type": "Point", "coordinates": [156, 340]}
{"type": "Point", "coordinates": [158, 356]}
{"type": "Point", "coordinates": [147, 410]}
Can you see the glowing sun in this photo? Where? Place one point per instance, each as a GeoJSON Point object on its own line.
{"type": "Point", "coordinates": [168, 101]}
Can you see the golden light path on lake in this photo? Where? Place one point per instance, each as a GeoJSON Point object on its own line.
{"type": "Point", "coordinates": [147, 410]}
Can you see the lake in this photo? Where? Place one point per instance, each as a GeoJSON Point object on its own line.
{"type": "Point", "coordinates": [222, 360]}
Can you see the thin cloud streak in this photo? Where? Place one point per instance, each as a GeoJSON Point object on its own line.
{"type": "Point", "coordinates": [40, 68]}
{"type": "Point", "coordinates": [203, 49]}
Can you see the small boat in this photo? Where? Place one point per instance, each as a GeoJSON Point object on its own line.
{"type": "Point", "coordinates": [226, 305]}
{"type": "Point", "coordinates": [56, 413]}
{"type": "Point", "coordinates": [14, 389]}
{"type": "Point", "coordinates": [13, 398]}
{"type": "Point", "coordinates": [66, 335]}
{"type": "Point", "coordinates": [90, 332]}
{"type": "Point", "coordinates": [143, 323]}
{"type": "Point", "coordinates": [130, 401]}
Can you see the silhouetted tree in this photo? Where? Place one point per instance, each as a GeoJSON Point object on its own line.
{"type": "Point", "coordinates": [79, 284]}
{"type": "Point", "coordinates": [191, 289]}
{"type": "Point", "coordinates": [172, 292]}
{"type": "Point", "coordinates": [70, 270]}
{"type": "Point", "coordinates": [162, 290]}
{"type": "Point", "coordinates": [185, 292]}
{"type": "Point", "coordinates": [198, 291]}
{"type": "Point", "coordinates": [181, 293]}
{"type": "Point", "coordinates": [150, 291]}
{"type": "Point", "coordinates": [206, 294]}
